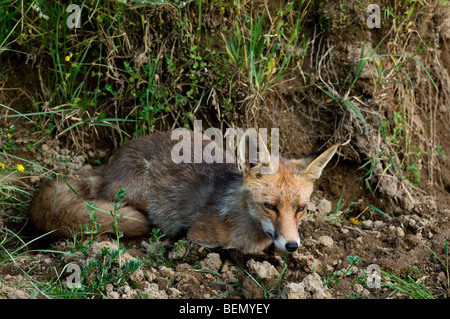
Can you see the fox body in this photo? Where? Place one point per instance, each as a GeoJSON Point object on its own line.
{"type": "Point", "coordinates": [214, 204]}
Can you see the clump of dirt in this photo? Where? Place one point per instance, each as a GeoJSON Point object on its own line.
{"type": "Point", "coordinates": [311, 287]}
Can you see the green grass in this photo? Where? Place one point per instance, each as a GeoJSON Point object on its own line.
{"type": "Point", "coordinates": [262, 53]}
{"type": "Point", "coordinates": [413, 288]}
{"type": "Point", "coordinates": [417, 284]}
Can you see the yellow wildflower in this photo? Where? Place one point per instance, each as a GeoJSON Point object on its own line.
{"type": "Point", "coordinates": [67, 58]}
{"type": "Point", "coordinates": [378, 63]}
{"type": "Point", "coordinates": [20, 168]}
{"type": "Point", "coordinates": [2, 166]}
{"type": "Point", "coordinates": [355, 221]}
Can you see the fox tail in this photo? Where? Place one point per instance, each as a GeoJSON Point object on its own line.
{"type": "Point", "coordinates": [62, 207]}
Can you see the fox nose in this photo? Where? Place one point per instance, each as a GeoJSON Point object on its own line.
{"type": "Point", "coordinates": [291, 246]}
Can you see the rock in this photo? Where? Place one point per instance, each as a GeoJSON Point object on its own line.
{"type": "Point", "coordinates": [408, 202]}
{"type": "Point", "coordinates": [153, 292]}
{"type": "Point", "coordinates": [294, 290]}
{"type": "Point", "coordinates": [126, 257]}
{"type": "Point", "coordinates": [358, 288]}
{"type": "Point", "coordinates": [310, 264]}
{"type": "Point", "coordinates": [444, 28]}
{"type": "Point", "coordinates": [18, 294]}
{"type": "Point", "coordinates": [399, 232]}
{"type": "Point", "coordinates": [365, 294]}
{"type": "Point", "coordinates": [311, 206]}
{"type": "Point", "coordinates": [263, 270]}
{"type": "Point", "coordinates": [113, 295]}
{"type": "Point", "coordinates": [126, 292]}
{"type": "Point", "coordinates": [442, 278]}
{"type": "Point", "coordinates": [35, 179]}
{"type": "Point", "coordinates": [378, 224]}
{"type": "Point", "coordinates": [96, 248]}
{"type": "Point", "coordinates": [138, 276]}
{"type": "Point", "coordinates": [367, 224]}
{"type": "Point", "coordinates": [326, 241]}
{"type": "Point", "coordinates": [177, 253]}
{"type": "Point", "coordinates": [211, 262]}
{"type": "Point", "coordinates": [310, 287]}
{"type": "Point", "coordinates": [312, 282]}
{"type": "Point", "coordinates": [167, 272]}
{"type": "Point", "coordinates": [324, 206]}
{"type": "Point", "coordinates": [185, 267]}
{"type": "Point", "coordinates": [389, 186]}
{"type": "Point", "coordinates": [411, 222]}
{"type": "Point", "coordinates": [45, 148]}
{"type": "Point", "coordinates": [109, 288]}
{"type": "Point", "coordinates": [174, 292]}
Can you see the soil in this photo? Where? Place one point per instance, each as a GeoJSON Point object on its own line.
{"type": "Point", "coordinates": [408, 237]}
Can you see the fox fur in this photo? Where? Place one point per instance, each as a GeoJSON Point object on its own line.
{"type": "Point", "coordinates": [216, 205]}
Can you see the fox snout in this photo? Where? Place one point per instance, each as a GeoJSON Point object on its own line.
{"type": "Point", "coordinates": [283, 244]}
{"type": "Point", "coordinates": [286, 241]}
{"type": "Point", "coordinates": [291, 246]}
{"type": "Point", "coordinates": [286, 245]}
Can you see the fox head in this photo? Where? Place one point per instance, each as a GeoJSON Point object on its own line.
{"type": "Point", "coordinates": [280, 197]}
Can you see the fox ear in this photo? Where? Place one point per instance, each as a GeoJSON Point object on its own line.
{"type": "Point", "coordinates": [253, 154]}
{"type": "Point", "coordinates": [312, 165]}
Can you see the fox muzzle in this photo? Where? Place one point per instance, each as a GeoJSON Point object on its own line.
{"type": "Point", "coordinates": [291, 246]}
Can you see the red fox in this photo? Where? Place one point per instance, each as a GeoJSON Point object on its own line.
{"type": "Point", "coordinates": [213, 204]}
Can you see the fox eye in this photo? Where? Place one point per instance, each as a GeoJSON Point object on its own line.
{"type": "Point", "coordinates": [269, 206]}
{"type": "Point", "coordinates": [301, 208]}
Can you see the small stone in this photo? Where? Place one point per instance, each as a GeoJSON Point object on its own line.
{"type": "Point", "coordinates": [263, 270]}
{"type": "Point", "coordinates": [211, 262]}
{"type": "Point", "coordinates": [153, 292]}
{"type": "Point", "coordinates": [109, 288]}
{"type": "Point", "coordinates": [309, 263]}
{"type": "Point", "coordinates": [166, 272]}
{"type": "Point", "coordinates": [18, 294]}
{"type": "Point", "coordinates": [378, 224]}
{"type": "Point", "coordinates": [177, 253]}
{"type": "Point", "coordinates": [367, 224]}
{"type": "Point", "coordinates": [44, 148]}
{"type": "Point", "coordinates": [174, 292]}
{"type": "Point", "coordinates": [326, 241]}
{"type": "Point", "coordinates": [138, 276]}
{"type": "Point", "coordinates": [294, 290]}
{"type": "Point", "coordinates": [399, 232]}
{"type": "Point", "coordinates": [311, 207]}
{"type": "Point", "coordinates": [97, 247]}
{"type": "Point", "coordinates": [358, 288]}
{"type": "Point", "coordinates": [324, 206]}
